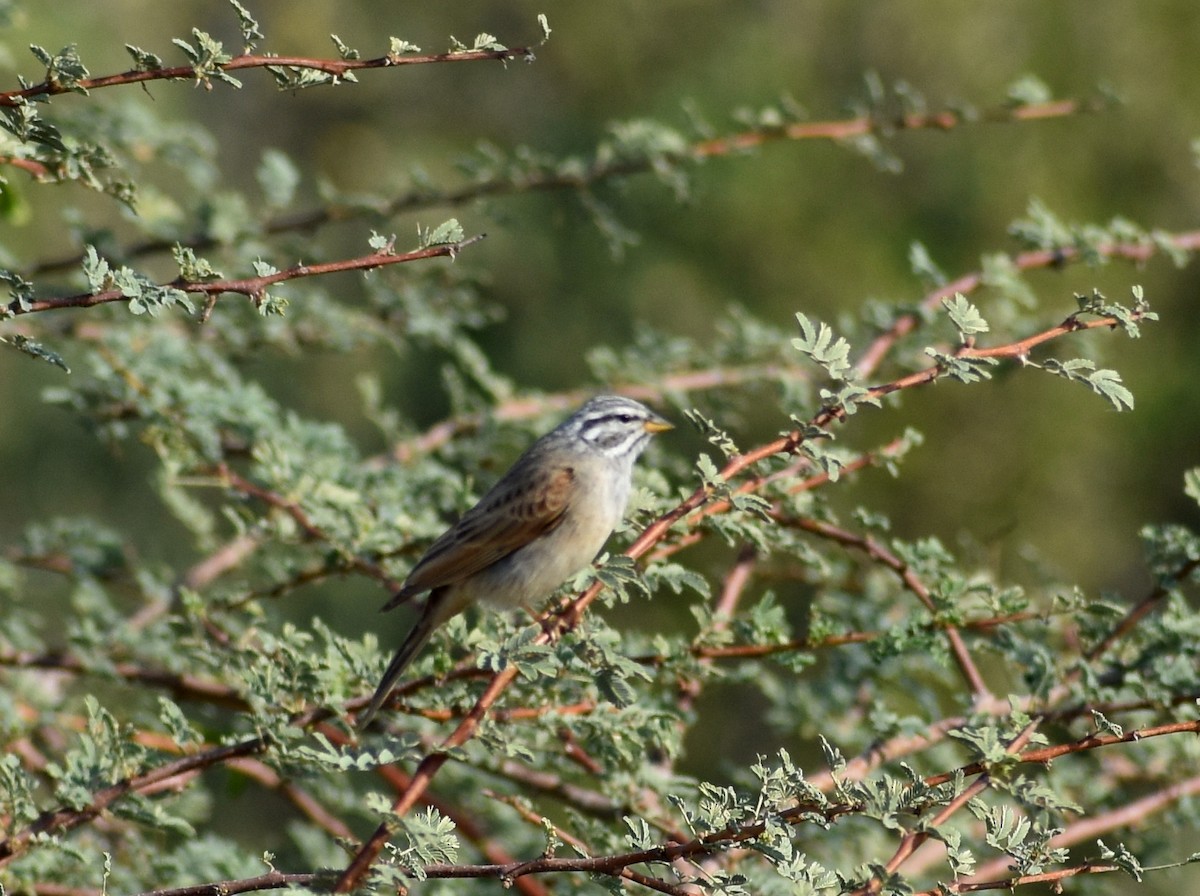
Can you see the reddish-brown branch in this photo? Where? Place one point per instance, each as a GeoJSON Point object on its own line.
{"type": "Point", "coordinates": [524, 408]}
{"type": "Point", "coordinates": [1036, 259]}
{"type": "Point", "coordinates": [880, 554]}
{"type": "Point", "coordinates": [272, 880]}
{"type": "Point", "coordinates": [337, 68]}
{"type": "Point", "coordinates": [556, 178]}
{"type": "Point", "coordinates": [59, 820]}
{"type": "Point", "coordinates": [252, 287]}
{"type": "Point", "coordinates": [296, 512]}
{"type": "Point", "coordinates": [424, 774]}
{"type": "Point", "coordinates": [1086, 830]}
{"type": "Point", "coordinates": [1140, 610]}
{"type": "Point", "coordinates": [755, 483]}
{"type": "Point", "coordinates": [870, 124]}
{"type": "Point", "coordinates": [1043, 755]}
{"type": "Point", "coordinates": [30, 166]}
{"type": "Point", "coordinates": [1054, 878]}
{"type": "Point", "coordinates": [184, 687]}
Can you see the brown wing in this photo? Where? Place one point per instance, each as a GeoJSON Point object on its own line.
{"type": "Point", "coordinates": [520, 508]}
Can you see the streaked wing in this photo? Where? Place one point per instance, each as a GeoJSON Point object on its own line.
{"type": "Point", "coordinates": [518, 510]}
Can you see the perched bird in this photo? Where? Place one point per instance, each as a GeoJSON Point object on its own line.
{"type": "Point", "coordinates": [546, 519]}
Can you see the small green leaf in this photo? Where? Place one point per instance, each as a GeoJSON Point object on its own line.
{"type": "Point", "coordinates": [709, 474]}
{"type": "Point", "coordinates": [1123, 859]}
{"type": "Point", "coordinates": [192, 268]}
{"type": "Point", "coordinates": [96, 270]}
{"type": "Point", "coordinates": [344, 51]}
{"type": "Point", "coordinates": [251, 34]}
{"type": "Point", "coordinates": [445, 234]}
{"type": "Point", "coordinates": [399, 47]}
{"type": "Point", "coordinates": [923, 265]}
{"type": "Point", "coordinates": [144, 60]}
{"type": "Point", "coordinates": [620, 575]}
{"type": "Point", "coordinates": [207, 58]}
{"type": "Point", "coordinates": [715, 435]}
{"type": "Point", "coordinates": [965, 369]}
{"type": "Point", "coordinates": [966, 317]}
{"type": "Point", "coordinates": [277, 177]}
{"type": "Point", "coordinates": [487, 41]}
{"type": "Point", "coordinates": [64, 69]}
{"type": "Point", "coordinates": [1191, 484]}
{"type": "Point", "coordinates": [1104, 726]}
{"type": "Point", "coordinates": [35, 350]}
{"type": "Point", "coordinates": [818, 342]}
{"type": "Point", "coordinates": [1029, 90]}
{"type": "Point", "coordinates": [271, 304]}
{"type": "Point", "coordinates": [1104, 382]}
{"type": "Point", "coordinates": [1107, 383]}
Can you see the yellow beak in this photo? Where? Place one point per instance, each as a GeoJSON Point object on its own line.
{"type": "Point", "coordinates": [657, 425]}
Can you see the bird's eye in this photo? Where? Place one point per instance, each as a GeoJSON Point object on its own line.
{"type": "Point", "coordinates": [625, 418]}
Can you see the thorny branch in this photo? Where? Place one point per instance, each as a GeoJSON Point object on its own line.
{"type": "Point", "coordinates": [336, 68]}
{"type": "Point", "coordinates": [252, 287]}
{"type": "Point", "coordinates": [750, 829]}
{"type": "Point", "coordinates": [567, 618]}
{"type": "Point", "coordinates": [525, 407]}
{"type": "Point", "coordinates": [598, 171]}
{"type": "Point", "coordinates": [700, 503]}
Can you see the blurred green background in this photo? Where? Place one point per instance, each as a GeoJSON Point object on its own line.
{"type": "Point", "coordinates": [798, 226]}
{"type": "Point", "coordinates": [808, 226]}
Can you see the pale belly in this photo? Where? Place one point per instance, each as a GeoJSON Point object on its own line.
{"type": "Point", "coordinates": [532, 573]}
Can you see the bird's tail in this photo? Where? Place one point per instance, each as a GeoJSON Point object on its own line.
{"type": "Point", "coordinates": [439, 607]}
{"type": "Point", "coordinates": [408, 650]}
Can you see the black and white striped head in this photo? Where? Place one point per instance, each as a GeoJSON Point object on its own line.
{"type": "Point", "coordinates": [620, 428]}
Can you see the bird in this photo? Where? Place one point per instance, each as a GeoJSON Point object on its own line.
{"type": "Point", "coordinates": [545, 519]}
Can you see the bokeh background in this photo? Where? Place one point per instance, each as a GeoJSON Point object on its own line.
{"type": "Point", "coordinates": [810, 226]}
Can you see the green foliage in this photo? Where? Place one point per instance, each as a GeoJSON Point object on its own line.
{"type": "Point", "coordinates": [783, 689]}
{"type": "Point", "coordinates": [817, 341]}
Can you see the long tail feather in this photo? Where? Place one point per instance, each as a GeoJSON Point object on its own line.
{"type": "Point", "coordinates": [442, 604]}
{"type": "Point", "coordinates": [412, 645]}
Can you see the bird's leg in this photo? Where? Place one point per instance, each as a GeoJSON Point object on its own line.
{"type": "Point", "coordinates": [542, 620]}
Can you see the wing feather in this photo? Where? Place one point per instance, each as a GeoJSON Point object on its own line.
{"type": "Point", "coordinates": [514, 513]}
